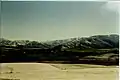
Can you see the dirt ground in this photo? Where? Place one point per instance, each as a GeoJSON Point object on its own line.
{"type": "Point", "coordinates": [45, 71]}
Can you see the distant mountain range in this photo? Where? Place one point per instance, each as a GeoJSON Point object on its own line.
{"type": "Point", "coordinates": [98, 49]}
{"type": "Point", "coordinates": [94, 42]}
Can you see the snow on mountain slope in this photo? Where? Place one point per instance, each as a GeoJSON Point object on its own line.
{"type": "Point", "coordinates": [97, 41]}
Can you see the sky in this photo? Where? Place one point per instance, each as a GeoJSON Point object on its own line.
{"type": "Point", "coordinates": [53, 20]}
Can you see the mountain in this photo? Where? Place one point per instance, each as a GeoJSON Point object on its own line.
{"type": "Point", "coordinates": [98, 41]}
{"type": "Point", "coordinates": [98, 49]}
{"type": "Point", "coordinates": [92, 42]}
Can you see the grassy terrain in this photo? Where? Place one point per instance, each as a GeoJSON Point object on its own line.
{"type": "Point", "coordinates": [45, 71]}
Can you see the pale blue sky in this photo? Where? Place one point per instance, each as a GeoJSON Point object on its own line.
{"type": "Point", "coordinates": [43, 20]}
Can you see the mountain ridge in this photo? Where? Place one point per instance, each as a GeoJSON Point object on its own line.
{"type": "Point", "coordinates": [96, 41]}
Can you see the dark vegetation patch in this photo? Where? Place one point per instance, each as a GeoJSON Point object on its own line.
{"type": "Point", "coordinates": [86, 56]}
{"type": "Point", "coordinates": [8, 79]}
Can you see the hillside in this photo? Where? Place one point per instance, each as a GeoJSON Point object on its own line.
{"type": "Point", "coordinates": [93, 49]}
{"type": "Point", "coordinates": [98, 41]}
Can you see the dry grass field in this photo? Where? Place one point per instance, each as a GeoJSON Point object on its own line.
{"type": "Point", "coordinates": [46, 71]}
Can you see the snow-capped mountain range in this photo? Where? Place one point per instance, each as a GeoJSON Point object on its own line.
{"type": "Point", "coordinates": [97, 41]}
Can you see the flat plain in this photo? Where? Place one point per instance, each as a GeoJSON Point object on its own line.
{"type": "Point", "coordinates": [50, 71]}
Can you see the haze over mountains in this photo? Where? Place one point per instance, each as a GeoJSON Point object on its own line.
{"type": "Point", "coordinates": [96, 42]}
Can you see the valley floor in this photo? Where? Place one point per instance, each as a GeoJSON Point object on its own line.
{"type": "Point", "coordinates": [49, 71]}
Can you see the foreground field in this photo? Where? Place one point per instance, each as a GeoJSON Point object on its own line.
{"type": "Point", "coordinates": [45, 71]}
